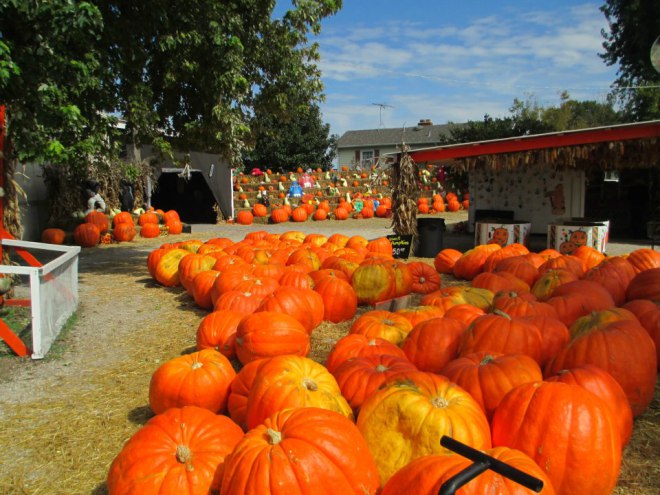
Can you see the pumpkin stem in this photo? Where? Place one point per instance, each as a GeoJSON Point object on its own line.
{"type": "Point", "coordinates": [274, 437]}
{"type": "Point", "coordinates": [388, 322]}
{"type": "Point", "coordinates": [487, 359]}
{"type": "Point", "coordinates": [196, 365]}
{"type": "Point", "coordinates": [183, 454]}
{"type": "Point", "coordinates": [372, 342]}
{"type": "Point", "coordinates": [381, 368]}
{"type": "Point", "coordinates": [439, 402]}
{"type": "Point", "coordinates": [310, 384]}
{"type": "Point", "coordinates": [499, 312]}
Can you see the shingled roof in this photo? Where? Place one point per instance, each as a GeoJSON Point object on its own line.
{"type": "Point", "coordinates": [417, 135]}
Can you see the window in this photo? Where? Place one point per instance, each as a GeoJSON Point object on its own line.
{"type": "Point", "coordinates": [367, 158]}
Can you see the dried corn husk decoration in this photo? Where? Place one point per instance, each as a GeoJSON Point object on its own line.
{"type": "Point", "coordinates": [405, 192]}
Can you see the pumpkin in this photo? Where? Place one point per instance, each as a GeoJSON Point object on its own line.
{"type": "Point", "coordinates": [174, 226]}
{"type": "Point", "coordinates": [217, 331]}
{"type": "Point", "coordinates": [359, 378]}
{"type": "Point", "coordinates": [259, 210]}
{"type": "Point", "coordinates": [147, 217]}
{"type": "Point", "coordinates": [86, 235]}
{"type": "Point", "coordinates": [199, 379]}
{"type": "Point", "coordinates": [466, 313]}
{"type": "Point", "coordinates": [320, 214]}
{"type": "Point", "coordinates": [426, 475]}
{"type": "Point", "coordinates": [488, 377]}
{"type": "Point", "coordinates": [122, 217]}
{"type": "Point", "coordinates": [578, 298]}
{"type": "Point", "coordinates": [180, 451]}
{"type": "Point", "coordinates": [564, 262]}
{"type": "Point", "coordinates": [471, 263]}
{"type": "Point", "coordinates": [383, 324]}
{"type": "Point", "coordinates": [549, 281]}
{"type": "Point", "coordinates": [525, 304]}
{"type": "Point", "coordinates": [236, 300]}
{"type": "Point", "coordinates": [554, 336]}
{"type": "Point", "coordinates": [644, 259]}
{"type": "Point", "coordinates": [339, 299]}
{"type": "Point", "coordinates": [570, 434]}
{"type": "Point", "coordinates": [171, 215]}
{"type": "Point", "coordinates": [191, 265]}
{"type": "Point", "coordinates": [374, 283]}
{"type": "Point", "coordinates": [520, 266]}
{"type": "Point", "coordinates": [288, 381]}
{"type": "Point", "coordinates": [496, 282]}
{"type": "Point", "coordinates": [239, 391]}
{"type": "Point", "coordinates": [600, 383]}
{"type": "Point", "coordinates": [645, 285]}
{"type": "Point", "coordinates": [451, 296]}
{"type": "Point", "coordinates": [268, 334]}
{"type": "Point", "coordinates": [418, 314]}
{"type": "Point", "coordinates": [425, 278]}
{"type": "Point", "coordinates": [590, 256]}
{"type": "Point", "coordinates": [507, 251]}
{"type": "Point", "coordinates": [296, 278]}
{"type": "Point", "coordinates": [307, 450]}
{"type": "Point", "coordinates": [648, 314]}
{"type": "Point", "coordinates": [150, 230]}
{"type": "Point", "coordinates": [613, 273]}
{"type": "Point", "coordinates": [406, 418]}
{"type": "Point", "coordinates": [341, 213]}
{"type": "Point", "coordinates": [432, 343]}
{"type": "Point", "coordinates": [499, 332]}
{"type": "Point", "coordinates": [623, 349]}
{"type": "Point", "coordinates": [304, 305]}
{"type": "Point", "coordinates": [201, 288]}
{"type": "Point", "coordinates": [99, 219]}
{"type": "Point", "coordinates": [244, 217]}
{"type": "Point", "coordinates": [356, 345]}
{"type": "Point", "coordinates": [124, 232]}
{"type": "Point", "coordinates": [53, 236]}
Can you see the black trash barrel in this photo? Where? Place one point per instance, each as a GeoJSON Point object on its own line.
{"type": "Point", "coordinates": [429, 240]}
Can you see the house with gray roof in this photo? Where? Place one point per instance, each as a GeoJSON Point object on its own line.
{"type": "Point", "coordinates": [362, 149]}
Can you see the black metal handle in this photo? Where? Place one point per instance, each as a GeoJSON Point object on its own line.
{"type": "Point", "coordinates": [482, 462]}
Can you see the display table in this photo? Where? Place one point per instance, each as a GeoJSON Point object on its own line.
{"type": "Point", "coordinates": [502, 231]}
{"type": "Point", "coordinates": [567, 235]}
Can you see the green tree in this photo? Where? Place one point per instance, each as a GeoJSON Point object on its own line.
{"type": "Point", "coordinates": [198, 71]}
{"type": "Point", "coordinates": [50, 81]}
{"type": "Point", "coordinates": [634, 25]}
{"type": "Point", "coordinates": [574, 114]}
{"type": "Point", "coordinates": [299, 140]}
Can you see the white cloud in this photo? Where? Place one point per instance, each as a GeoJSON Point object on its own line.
{"type": "Point", "coordinates": [446, 72]}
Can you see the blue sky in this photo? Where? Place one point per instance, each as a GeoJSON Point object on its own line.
{"type": "Point", "coordinates": [456, 60]}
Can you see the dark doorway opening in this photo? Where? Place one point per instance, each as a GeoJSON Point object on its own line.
{"type": "Point", "coordinates": [192, 198]}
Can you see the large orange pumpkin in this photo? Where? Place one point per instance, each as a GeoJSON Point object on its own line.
{"type": "Point", "coordinates": [86, 235]}
{"type": "Point", "coordinates": [560, 427]}
{"type": "Point", "coordinates": [124, 232]}
{"type": "Point", "coordinates": [471, 263]}
{"type": "Point", "coordinates": [374, 283]}
{"type": "Point", "coordinates": [53, 236]}
{"type": "Point", "coordinates": [445, 260]}
{"type": "Point", "coordinates": [488, 377]}
{"type": "Point", "coordinates": [601, 383]}
{"type": "Point", "coordinates": [406, 418]}
{"type": "Point", "coordinates": [339, 299]}
{"type": "Point", "coordinates": [432, 343]}
{"type": "Point", "coordinates": [304, 305]}
{"type": "Point", "coordinates": [180, 451]}
{"type": "Point", "coordinates": [122, 217]}
{"type": "Point", "coordinates": [645, 285]}
{"type": "Point", "coordinates": [199, 379]}
{"type": "Point", "coordinates": [383, 324]}
{"type": "Point", "coordinates": [623, 349]}
{"type": "Point", "coordinates": [309, 450]}
{"type": "Point", "coordinates": [217, 331]}
{"type": "Point", "coordinates": [167, 269]}
{"type": "Point", "coordinates": [288, 381]}
{"type": "Point", "coordinates": [268, 334]}
{"type": "Point", "coordinates": [356, 345]}
{"type": "Point", "coordinates": [99, 219]}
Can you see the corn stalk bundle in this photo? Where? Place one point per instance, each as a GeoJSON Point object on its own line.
{"type": "Point", "coordinates": [405, 191]}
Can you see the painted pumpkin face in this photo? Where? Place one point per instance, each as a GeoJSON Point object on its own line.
{"type": "Point", "coordinates": [578, 237]}
{"type": "Point", "coordinates": [500, 236]}
{"type": "Point", "coordinates": [567, 247]}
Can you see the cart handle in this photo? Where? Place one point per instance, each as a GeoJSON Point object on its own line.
{"type": "Point", "coordinates": [482, 462]}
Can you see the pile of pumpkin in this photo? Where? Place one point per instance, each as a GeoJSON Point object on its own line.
{"type": "Point", "coordinates": [318, 210]}
{"type": "Point", "coordinates": [439, 204]}
{"type": "Point", "coordinates": [542, 362]}
{"type": "Point", "coordinates": [95, 229]}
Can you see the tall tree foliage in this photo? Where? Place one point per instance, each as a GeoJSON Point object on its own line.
{"type": "Point", "coordinates": [298, 140]}
{"type": "Point", "coordinates": [50, 81]}
{"type": "Point", "coordinates": [198, 71]}
{"type": "Point", "coordinates": [634, 26]}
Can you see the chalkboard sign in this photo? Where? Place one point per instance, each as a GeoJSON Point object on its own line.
{"type": "Point", "coordinates": [400, 245]}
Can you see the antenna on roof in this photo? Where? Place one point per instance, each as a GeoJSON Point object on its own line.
{"type": "Point", "coordinates": [380, 112]}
